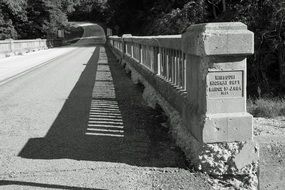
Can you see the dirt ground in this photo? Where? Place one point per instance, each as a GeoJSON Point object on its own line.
{"type": "Point", "coordinates": [266, 126]}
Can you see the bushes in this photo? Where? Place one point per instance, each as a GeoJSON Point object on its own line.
{"type": "Point", "coordinates": [177, 20]}
{"type": "Point", "coordinates": [266, 107]}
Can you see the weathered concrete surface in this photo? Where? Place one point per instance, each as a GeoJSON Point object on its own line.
{"type": "Point", "coordinates": [229, 127]}
{"type": "Point", "coordinates": [218, 39]}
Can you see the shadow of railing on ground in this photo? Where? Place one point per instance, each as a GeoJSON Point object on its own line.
{"type": "Point", "coordinates": [104, 119]}
{"type": "Point", "coordinates": [42, 185]}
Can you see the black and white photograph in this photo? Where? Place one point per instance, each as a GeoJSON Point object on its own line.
{"type": "Point", "coordinates": [142, 94]}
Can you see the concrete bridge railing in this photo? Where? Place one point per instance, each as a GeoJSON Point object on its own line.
{"type": "Point", "coordinates": [199, 80]}
{"type": "Point", "coordinates": [10, 46]}
{"type": "Point", "coordinates": [206, 68]}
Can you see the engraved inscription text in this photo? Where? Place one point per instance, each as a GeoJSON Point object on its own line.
{"type": "Point", "coordinates": [225, 84]}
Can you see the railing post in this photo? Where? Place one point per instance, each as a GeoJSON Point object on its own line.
{"type": "Point", "coordinates": [10, 50]}
{"type": "Point", "coordinates": [11, 42]}
{"type": "Point", "coordinates": [124, 43]}
{"type": "Point", "coordinates": [216, 81]}
{"type": "Point", "coordinates": [38, 44]}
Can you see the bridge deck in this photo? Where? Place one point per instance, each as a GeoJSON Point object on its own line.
{"type": "Point", "coordinates": [102, 137]}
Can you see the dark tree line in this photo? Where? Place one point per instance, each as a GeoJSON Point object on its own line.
{"type": "Point", "coordinates": [155, 17]}
{"type": "Point", "coordinates": [25, 19]}
{"type": "Point", "coordinates": [41, 18]}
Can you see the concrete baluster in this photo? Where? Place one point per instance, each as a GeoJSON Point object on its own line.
{"type": "Point", "coordinates": [156, 60]}
{"type": "Point", "coordinates": [184, 70]}
{"type": "Point", "coordinates": [141, 54]}
{"type": "Point", "coordinates": [151, 57]}
{"type": "Point", "coordinates": [132, 49]}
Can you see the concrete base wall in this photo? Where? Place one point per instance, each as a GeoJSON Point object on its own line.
{"type": "Point", "coordinates": [235, 158]}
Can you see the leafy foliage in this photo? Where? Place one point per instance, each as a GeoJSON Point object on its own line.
{"type": "Point", "coordinates": [33, 19]}
{"type": "Point", "coordinates": [45, 18]}
{"type": "Point", "coordinates": [266, 20]}
{"type": "Point", "coordinates": [12, 18]}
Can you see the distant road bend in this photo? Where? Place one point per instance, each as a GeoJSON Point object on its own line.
{"type": "Point", "coordinates": [78, 122]}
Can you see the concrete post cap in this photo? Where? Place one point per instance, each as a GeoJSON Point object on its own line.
{"type": "Point", "coordinates": [227, 39]}
{"type": "Point", "coordinates": [218, 26]}
{"type": "Point", "coordinates": [126, 35]}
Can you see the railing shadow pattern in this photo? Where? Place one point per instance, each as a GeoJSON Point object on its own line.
{"type": "Point", "coordinates": [100, 122]}
{"type": "Point", "coordinates": [105, 118]}
{"type": "Point", "coordinates": [40, 185]}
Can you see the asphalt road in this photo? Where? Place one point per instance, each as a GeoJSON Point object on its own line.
{"type": "Point", "coordinates": [78, 122]}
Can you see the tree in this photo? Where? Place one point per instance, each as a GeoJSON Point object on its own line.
{"type": "Point", "coordinates": [33, 19]}
{"type": "Point", "coordinates": [13, 18]}
{"type": "Point", "coordinates": [45, 17]}
{"type": "Point", "coordinates": [7, 29]}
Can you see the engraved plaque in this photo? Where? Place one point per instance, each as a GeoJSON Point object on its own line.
{"type": "Point", "coordinates": [225, 84]}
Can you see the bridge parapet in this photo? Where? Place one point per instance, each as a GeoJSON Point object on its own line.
{"type": "Point", "coordinates": [9, 47]}
{"type": "Point", "coordinates": [199, 80]}
{"type": "Point", "coordinates": [208, 63]}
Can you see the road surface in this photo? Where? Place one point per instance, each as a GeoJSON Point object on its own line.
{"type": "Point", "coordinates": [78, 122]}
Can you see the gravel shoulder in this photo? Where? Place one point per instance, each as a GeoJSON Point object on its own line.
{"type": "Point", "coordinates": [269, 127]}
